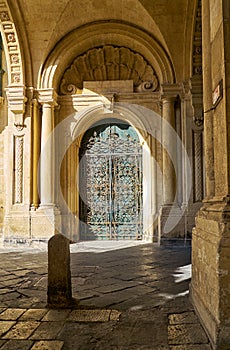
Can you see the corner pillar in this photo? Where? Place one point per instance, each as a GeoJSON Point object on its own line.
{"type": "Point", "coordinates": [210, 292]}
{"type": "Point", "coordinates": [17, 140]}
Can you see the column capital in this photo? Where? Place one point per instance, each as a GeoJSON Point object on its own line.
{"type": "Point", "coordinates": [171, 91]}
{"type": "Point", "coordinates": [16, 97]}
{"type": "Point", "coordinates": [47, 96]}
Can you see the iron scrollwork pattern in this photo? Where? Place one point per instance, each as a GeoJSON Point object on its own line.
{"type": "Point", "coordinates": [111, 183]}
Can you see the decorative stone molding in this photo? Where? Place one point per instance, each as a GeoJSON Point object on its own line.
{"type": "Point", "coordinates": [172, 90]}
{"type": "Point", "coordinates": [16, 102]}
{"type": "Point", "coordinates": [199, 115]}
{"type": "Point", "coordinates": [18, 166]}
{"type": "Point", "coordinates": [197, 42]}
{"type": "Point", "coordinates": [197, 166]}
{"type": "Point", "coordinates": [197, 100]}
{"type": "Point", "coordinates": [109, 63]}
{"type": "Point", "coordinates": [197, 77]}
{"type": "Point", "coordinates": [11, 46]}
{"type": "Point", "coordinates": [47, 96]}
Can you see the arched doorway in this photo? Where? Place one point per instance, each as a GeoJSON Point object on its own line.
{"type": "Point", "coordinates": [111, 192]}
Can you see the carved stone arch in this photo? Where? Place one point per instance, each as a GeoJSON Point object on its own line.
{"type": "Point", "coordinates": [11, 46]}
{"type": "Point", "coordinates": [116, 34]}
{"type": "Point", "coordinates": [122, 111]}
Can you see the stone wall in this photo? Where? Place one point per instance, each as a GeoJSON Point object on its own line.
{"type": "Point", "coordinates": [211, 245]}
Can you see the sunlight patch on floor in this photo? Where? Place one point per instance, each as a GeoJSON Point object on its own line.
{"type": "Point", "coordinates": [183, 273]}
{"type": "Point", "coordinates": [103, 246]}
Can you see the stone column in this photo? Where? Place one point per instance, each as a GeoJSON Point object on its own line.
{"type": "Point", "coordinates": [36, 153]}
{"type": "Point", "coordinates": [168, 140]}
{"type": "Point", "coordinates": [47, 155]}
{"type": "Point", "coordinates": [46, 220]}
{"type": "Point", "coordinates": [207, 100]}
{"type": "Point", "coordinates": [172, 219]}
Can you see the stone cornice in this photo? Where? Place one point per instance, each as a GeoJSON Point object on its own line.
{"type": "Point", "coordinates": [121, 97]}
{"type": "Point", "coordinates": [173, 90]}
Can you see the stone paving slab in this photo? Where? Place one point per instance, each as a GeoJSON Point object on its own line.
{"type": "Point", "coordinates": [115, 287]}
{"type": "Point", "coordinates": [9, 296]}
{"type": "Point", "coordinates": [56, 315]}
{"type": "Point", "coordinates": [89, 316]}
{"type": "Point", "coordinates": [17, 345]}
{"type": "Point", "coordinates": [186, 334]}
{"type": "Point", "coordinates": [185, 317]}
{"type": "Point", "coordinates": [47, 330]}
{"type": "Point", "coordinates": [11, 314]}
{"type": "Point", "coordinates": [5, 326]}
{"type": "Point", "coordinates": [21, 330]}
{"type": "Point", "coordinates": [48, 345]}
{"type": "Point", "coordinates": [33, 314]}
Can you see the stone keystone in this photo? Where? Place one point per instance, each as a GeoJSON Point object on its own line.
{"type": "Point", "coordinates": [59, 275]}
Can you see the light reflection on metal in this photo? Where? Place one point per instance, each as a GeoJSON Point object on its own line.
{"type": "Point", "coordinates": [111, 183]}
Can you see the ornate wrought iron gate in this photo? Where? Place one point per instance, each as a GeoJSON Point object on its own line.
{"type": "Point", "coordinates": [111, 183]}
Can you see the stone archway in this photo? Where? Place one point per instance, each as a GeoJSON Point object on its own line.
{"type": "Point", "coordinates": [120, 34]}
{"type": "Point", "coordinates": [85, 74]}
{"type": "Point", "coordinates": [73, 129]}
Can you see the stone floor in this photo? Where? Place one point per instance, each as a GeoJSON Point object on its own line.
{"type": "Point", "coordinates": [133, 297]}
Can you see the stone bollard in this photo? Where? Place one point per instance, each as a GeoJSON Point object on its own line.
{"type": "Point", "coordinates": [59, 276]}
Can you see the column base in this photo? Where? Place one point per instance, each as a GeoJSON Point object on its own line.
{"type": "Point", "coordinates": [210, 291]}
{"type": "Point", "coordinates": [45, 221]}
{"type": "Point", "coordinates": [209, 323]}
{"type": "Point", "coordinates": [172, 222]}
{"type": "Point", "coordinates": [16, 227]}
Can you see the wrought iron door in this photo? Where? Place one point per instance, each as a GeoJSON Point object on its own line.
{"type": "Point", "coordinates": [111, 183]}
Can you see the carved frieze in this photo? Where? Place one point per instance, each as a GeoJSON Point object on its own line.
{"type": "Point", "coordinates": [4, 16]}
{"type": "Point", "coordinates": [14, 58]}
{"type": "Point", "coordinates": [109, 63]}
{"type": "Point", "coordinates": [11, 47]}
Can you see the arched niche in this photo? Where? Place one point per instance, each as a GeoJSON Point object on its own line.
{"type": "Point", "coordinates": [114, 33]}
